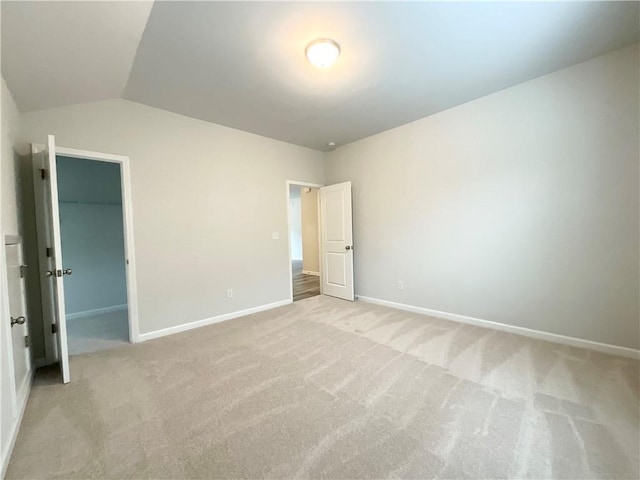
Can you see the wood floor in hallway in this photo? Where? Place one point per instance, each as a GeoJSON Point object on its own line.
{"type": "Point", "coordinates": [304, 286]}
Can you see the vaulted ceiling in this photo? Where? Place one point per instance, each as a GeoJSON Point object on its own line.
{"type": "Point", "coordinates": [242, 64]}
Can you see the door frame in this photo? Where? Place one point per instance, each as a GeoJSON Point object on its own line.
{"type": "Point", "coordinates": [18, 396]}
{"type": "Point", "coordinates": [19, 389]}
{"type": "Point", "coordinates": [5, 328]}
{"type": "Point", "coordinates": [300, 184]}
{"type": "Point", "coordinates": [127, 214]}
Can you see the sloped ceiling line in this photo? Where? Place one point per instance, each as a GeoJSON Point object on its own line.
{"type": "Point", "coordinates": [242, 64]}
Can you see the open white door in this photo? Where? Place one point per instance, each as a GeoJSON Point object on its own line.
{"type": "Point", "coordinates": [50, 246]}
{"type": "Point", "coordinates": [336, 241]}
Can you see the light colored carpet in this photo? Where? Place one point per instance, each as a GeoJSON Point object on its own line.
{"type": "Point", "coordinates": [98, 332]}
{"type": "Point", "coordinates": [330, 389]}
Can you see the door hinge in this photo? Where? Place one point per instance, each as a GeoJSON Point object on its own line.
{"type": "Point", "coordinates": [43, 174]}
{"type": "Point", "coordinates": [26, 341]}
{"type": "Point", "coordinates": [23, 271]}
{"type": "Point", "coordinates": [54, 328]}
{"type": "Point", "coordinates": [49, 252]}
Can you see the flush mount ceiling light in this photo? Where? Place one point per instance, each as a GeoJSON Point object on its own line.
{"type": "Point", "coordinates": [323, 52]}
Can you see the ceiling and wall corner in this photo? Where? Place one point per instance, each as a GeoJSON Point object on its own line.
{"type": "Point", "coordinates": [242, 64]}
{"type": "Point", "coordinates": [63, 53]}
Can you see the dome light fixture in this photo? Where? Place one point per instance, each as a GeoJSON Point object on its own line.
{"type": "Point", "coordinates": [323, 52]}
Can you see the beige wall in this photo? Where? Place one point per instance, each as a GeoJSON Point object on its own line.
{"type": "Point", "coordinates": [295, 222]}
{"type": "Point", "coordinates": [310, 244]}
{"type": "Point", "coordinates": [195, 237]}
{"type": "Point", "coordinates": [520, 207]}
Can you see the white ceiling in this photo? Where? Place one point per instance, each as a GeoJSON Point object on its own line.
{"type": "Point", "coordinates": [60, 53]}
{"type": "Point", "coordinates": [242, 64]}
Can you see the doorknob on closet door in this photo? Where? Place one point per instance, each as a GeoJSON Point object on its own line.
{"type": "Point", "coordinates": [52, 273]}
{"type": "Point", "coordinates": [348, 247]}
{"type": "Point", "coordinates": [18, 321]}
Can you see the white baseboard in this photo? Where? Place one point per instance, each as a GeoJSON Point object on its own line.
{"type": "Point", "coordinates": [309, 272]}
{"type": "Point", "coordinates": [527, 332]}
{"type": "Point", "coordinates": [23, 397]}
{"type": "Point", "coordinates": [210, 321]}
{"type": "Point", "coordinates": [97, 311]}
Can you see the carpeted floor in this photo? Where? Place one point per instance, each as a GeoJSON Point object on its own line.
{"type": "Point", "coordinates": [330, 389]}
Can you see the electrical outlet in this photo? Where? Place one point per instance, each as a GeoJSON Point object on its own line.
{"type": "Point", "coordinates": [229, 293]}
{"type": "Point", "coordinates": [400, 285]}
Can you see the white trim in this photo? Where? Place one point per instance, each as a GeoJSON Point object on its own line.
{"type": "Point", "coordinates": [44, 263]}
{"type": "Point", "coordinates": [17, 403]}
{"type": "Point", "coordinates": [87, 155]}
{"type": "Point", "coordinates": [210, 321]}
{"type": "Point", "coordinates": [300, 184]}
{"type": "Point", "coordinates": [527, 332]}
{"type": "Point", "coordinates": [127, 213]}
{"type": "Point", "coordinates": [296, 259]}
{"type": "Point", "coordinates": [96, 311]}
{"type": "Point", "coordinates": [309, 272]}
{"type": "Point", "coordinates": [15, 427]}
{"type": "Point", "coordinates": [5, 330]}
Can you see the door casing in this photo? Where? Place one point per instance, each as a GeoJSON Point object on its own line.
{"type": "Point", "coordinates": [21, 330]}
{"type": "Point", "coordinates": [18, 395]}
{"type": "Point", "coordinates": [127, 212]}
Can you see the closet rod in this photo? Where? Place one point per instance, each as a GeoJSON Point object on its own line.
{"type": "Point", "coordinates": [68, 202]}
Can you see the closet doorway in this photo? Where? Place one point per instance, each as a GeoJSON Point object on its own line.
{"type": "Point", "coordinates": [92, 231]}
{"type": "Point", "coordinates": [84, 226]}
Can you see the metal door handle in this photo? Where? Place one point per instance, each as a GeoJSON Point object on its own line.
{"type": "Point", "coordinates": [18, 321]}
{"type": "Point", "coordinates": [52, 273]}
{"type": "Point", "coordinates": [349, 247]}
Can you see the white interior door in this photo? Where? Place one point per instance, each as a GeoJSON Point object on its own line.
{"type": "Point", "coordinates": [50, 246]}
{"type": "Point", "coordinates": [336, 234]}
{"type": "Point", "coordinates": [18, 317]}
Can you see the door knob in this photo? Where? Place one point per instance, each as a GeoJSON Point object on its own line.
{"type": "Point", "coordinates": [18, 321]}
{"type": "Point", "coordinates": [49, 273]}
{"type": "Point", "coordinates": [67, 271]}
{"type": "Point", "coordinates": [348, 247]}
